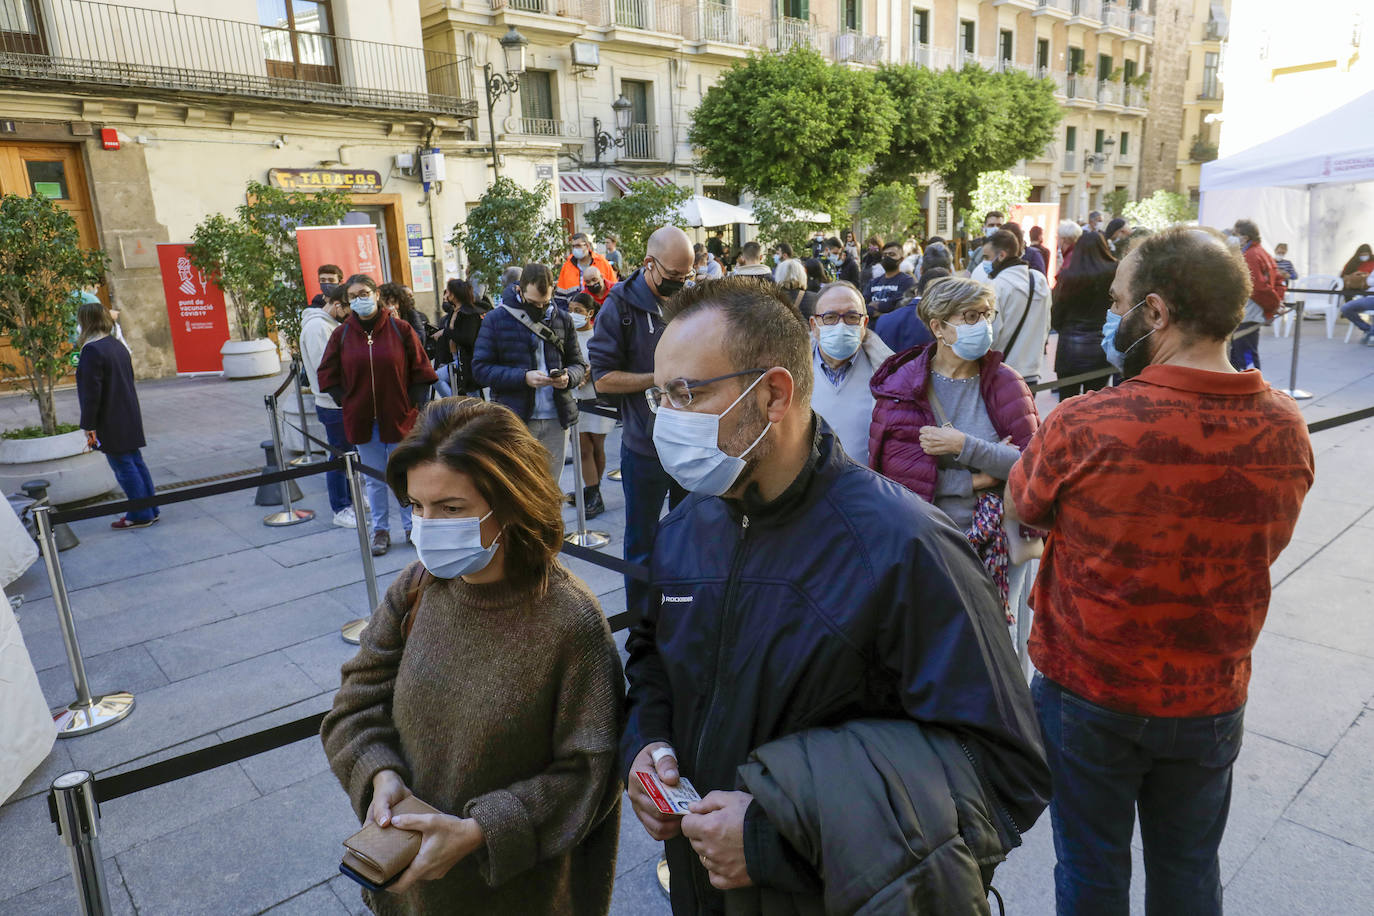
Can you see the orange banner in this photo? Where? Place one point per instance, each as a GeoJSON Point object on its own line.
{"type": "Point", "coordinates": [351, 248]}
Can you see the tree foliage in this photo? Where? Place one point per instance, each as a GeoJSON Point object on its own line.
{"type": "Point", "coordinates": [632, 218]}
{"type": "Point", "coordinates": [792, 122]}
{"type": "Point", "coordinates": [782, 218]}
{"type": "Point", "coordinates": [1161, 210]}
{"type": "Point", "coordinates": [1114, 202]}
{"type": "Point", "coordinates": [42, 270]}
{"type": "Point", "coordinates": [510, 225]}
{"type": "Point", "coordinates": [892, 211]}
{"type": "Point", "coordinates": [996, 191]}
{"type": "Point", "coordinates": [253, 256]}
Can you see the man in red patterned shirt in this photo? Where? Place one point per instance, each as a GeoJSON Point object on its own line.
{"type": "Point", "coordinates": [1167, 499]}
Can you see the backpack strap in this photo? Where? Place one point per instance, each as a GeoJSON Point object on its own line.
{"type": "Point", "coordinates": [1030, 294]}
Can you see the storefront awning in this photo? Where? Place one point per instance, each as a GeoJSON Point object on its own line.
{"type": "Point", "coordinates": [622, 183]}
{"type": "Point", "coordinates": [575, 188]}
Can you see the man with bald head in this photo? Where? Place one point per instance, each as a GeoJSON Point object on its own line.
{"type": "Point", "coordinates": [1167, 499]}
{"type": "Point", "coordinates": [595, 285]}
{"type": "Point", "coordinates": [845, 356]}
{"type": "Point", "coordinates": [621, 353]}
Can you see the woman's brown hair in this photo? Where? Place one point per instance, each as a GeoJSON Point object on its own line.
{"type": "Point", "coordinates": [508, 467]}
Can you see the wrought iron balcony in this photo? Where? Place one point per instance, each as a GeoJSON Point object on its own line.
{"type": "Point", "coordinates": [648, 15]}
{"type": "Point", "coordinates": [1086, 11]}
{"type": "Point", "coordinates": [641, 142]}
{"type": "Point", "coordinates": [1060, 80]}
{"type": "Point", "coordinates": [720, 22]}
{"type": "Point", "coordinates": [1080, 87]}
{"type": "Point", "coordinates": [786, 33]}
{"type": "Point", "coordinates": [1057, 8]}
{"type": "Point", "coordinates": [77, 43]}
{"type": "Point", "coordinates": [1115, 16]}
{"type": "Point", "coordinates": [1108, 93]}
{"type": "Point", "coordinates": [1135, 97]}
{"type": "Point", "coordinates": [1214, 31]}
{"type": "Point", "coordinates": [859, 47]}
{"type": "Point", "coordinates": [541, 127]}
{"type": "Point", "coordinates": [1142, 23]}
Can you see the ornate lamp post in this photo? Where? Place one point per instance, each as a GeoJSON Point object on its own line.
{"type": "Point", "coordinates": [604, 141]}
{"type": "Point", "coordinates": [513, 47]}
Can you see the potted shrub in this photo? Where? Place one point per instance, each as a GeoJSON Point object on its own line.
{"type": "Point", "coordinates": [42, 271]}
{"type": "Point", "coordinates": [253, 258]}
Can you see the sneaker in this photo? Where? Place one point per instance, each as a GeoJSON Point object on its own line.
{"type": "Point", "coordinates": [346, 518]}
{"type": "Point", "coordinates": [124, 524]}
{"type": "Point", "coordinates": [381, 542]}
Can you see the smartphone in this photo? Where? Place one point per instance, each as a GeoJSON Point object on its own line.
{"type": "Point", "coordinates": [557, 373]}
{"type": "Point", "coordinates": [370, 885]}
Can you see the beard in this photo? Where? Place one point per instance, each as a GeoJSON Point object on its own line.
{"type": "Point", "coordinates": [751, 425]}
{"type": "Point", "coordinates": [1137, 343]}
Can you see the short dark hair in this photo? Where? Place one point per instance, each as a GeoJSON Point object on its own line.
{"type": "Point", "coordinates": [994, 214]}
{"type": "Point", "coordinates": [536, 275]}
{"type": "Point", "coordinates": [893, 244]}
{"type": "Point", "coordinates": [364, 279]}
{"type": "Point", "coordinates": [585, 300]}
{"type": "Point", "coordinates": [1201, 279]}
{"type": "Point", "coordinates": [1015, 229]}
{"type": "Point", "coordinates": [784, 248]}
{"type": "Point", "coordinates": [610, 237]}
{"type": "Point", "coordinates": [461, 291]}
{"type": "Point", "coordinates": [335, 292]}
{"type": "Point", "coordinates": [395, 292]}
{"type": "Point", "coordinates": [1095, 213]}
{"type": "Point", "coordinates": [578, 236]}
{"type": "Point", "coordinates": [1036, 234]}
{"type": "Point", "coordinates": [763, 328]}
{"type": "Point", "coordinates": [334, 269]}
{"type": "Point", "coordinates": [930, 275]}
{"type": "Point", "coordinates": [833, 242]}
{"type": "Point", "coordinates": [1247, 228]}
{"type": "Point", "coordinates": [1005, 242]}
{"type": "Point", "coordinates": [751, 250]}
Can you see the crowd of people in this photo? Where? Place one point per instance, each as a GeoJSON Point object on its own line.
{"type": "Point", "coordinates": [833, 704]}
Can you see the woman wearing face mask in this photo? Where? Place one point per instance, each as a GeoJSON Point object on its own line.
{"type": "Point", "coordinates": [376, 370]}
{"type": "Point", "coordinates": [486, 685]}
{"type": "Point", "coordinates": [1356, 275]}
{"type": "Point", "coordinates": [1082, 295]}
{"type": "Point", "coordinates": [463, 314]}
{"type": "Point", "coordinates": [951, 419]}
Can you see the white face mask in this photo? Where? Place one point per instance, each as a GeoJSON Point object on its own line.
{"type": "Point", "coordinates": [579, 320]}
{"type": "Point", "coordinates": [364, 306]}
{"type": "Point", "coordinates": [451, 547]}
{"type": "Point", "coordinates": [579, 253]}
{"type": "Point", "coordinates": [688, 444]}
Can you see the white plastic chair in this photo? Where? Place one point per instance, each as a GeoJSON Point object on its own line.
{"type": "Point", "coordinates": [1328, 305]}
{"type": "Point", "coordinates": [1350, 328]}
{"type": "Point", "coordinates": [1283, 323]}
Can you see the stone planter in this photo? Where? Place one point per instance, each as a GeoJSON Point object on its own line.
{"type": "Point", "coordinates": [249, 358]}
{"type": "Point", "coordinates": [64, 461]}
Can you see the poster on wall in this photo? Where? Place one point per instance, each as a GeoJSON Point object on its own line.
{"type": "Point", "coordinates": [351, 248]}
{"type": "Point", "coordinates": [1046, 216]}
{"type": "Point", "coordinates": [195, 311]}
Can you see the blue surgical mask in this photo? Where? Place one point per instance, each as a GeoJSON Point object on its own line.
{"type": "Point", "coordinates": [1109, 328]}
{"type": "Point", "coordinates": [451, 547]}
{"type": "Point", "coordinates": [841, 341]}
{"type": "Point", "coordinates": [688, 444]}
{"type": "Point", "coordinates": [974, 340]}
{"type": "Point", "coordinates": [579, 320]}
{"type": "Point", "coordinates": [364, 306]}
{"type": "Point", "coordinates": [836, 260]}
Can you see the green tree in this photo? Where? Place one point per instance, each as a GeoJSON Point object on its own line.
{"type": "Point", "coordinates": [253, 257]}
{"type": "Point", "coordinates": [891, 210]}
{"type": "Point", "coordinates": [782, 218]}
{"type": "Point", "coordinates": [510, 225]}
{"type": "Point", "coordinates": [1115, 201]}
{"type": "Point", "coordinates": [42, 270]}
{"type": "Point", "coordinates": [1161, 210]}
{"type": "Point", "coordinates": [920, 138]}
{"type": "Point", "coordinates": [792, 122]}
{"type": "Point", "coordinates": [999, 191]}
{"type": "Point", "coordinates": [633, 217]}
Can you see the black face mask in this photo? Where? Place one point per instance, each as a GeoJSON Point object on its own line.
{"type": "Point", "coordinates": [666, 287]}
{"type": "Point", "coordinates": [595, 288]}
{"type": "Point", "coordinates": [891, 264]}
{"type": "Point", "coordinates": [447, 306]}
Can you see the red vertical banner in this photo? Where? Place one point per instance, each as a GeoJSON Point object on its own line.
{"type": "Point", "coordinates": [1046, 216]}
{"type": "Point", "coordinates": [351, 248]}
{"type": "Point", "coordinates": [195, 311]}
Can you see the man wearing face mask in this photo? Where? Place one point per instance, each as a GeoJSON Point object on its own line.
{"type": "Point", "coordinates": [621, 353]}
{"type": "Point", "coordinates": [991, 223]}
{"type": "Point", "coordinates": [885, 291]}
{"type": "Point", "coordinates": [572, 275]}
{"type": "Point", "coordinates": [1023, 313]}
{"type": "Point", "coordinates": [842, 263]}
{"type": "Point", "coordinates": [845, 357]}
{"type": "Point", "coordinates": [817, 633]}
{"type": "Point", "coordinates": [317, 325]}
{"type": "Point", "coordinates": [1167, 498]}
{"type": "Point", "coordinates": [596, 285]}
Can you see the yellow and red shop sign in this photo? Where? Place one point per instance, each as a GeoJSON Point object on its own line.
{"type": "Point", "coordinates": [358, 181]}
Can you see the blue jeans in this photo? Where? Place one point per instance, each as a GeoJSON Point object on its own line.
{"type": "Point", "coordinates": [331, 418]}
{"type": "Point", "coordinates": [1353, 310]}
{"type": "Point", "coordinates": [1245, 350]}
{"type": "Point", "coordinates": [645, 483]}
{"type": "Point", "coordinates": [374, 454]}
{"type": "Point", "coordinates": [441, 385]}
{"type": "Point", "coordinates": [134, 480]}
{"type": "Point", "coordinates": [1104, 765]}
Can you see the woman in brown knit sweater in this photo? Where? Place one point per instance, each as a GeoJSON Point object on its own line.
{"type": "Point", "coordinates": [487, 684]}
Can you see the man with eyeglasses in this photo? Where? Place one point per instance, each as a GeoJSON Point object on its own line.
{"type": "Point", "coordinates": [845, 356]}
{"type": "Point", "coordinates": [621, 353]}
{"type": "Point", "coordinates": [823, 656]}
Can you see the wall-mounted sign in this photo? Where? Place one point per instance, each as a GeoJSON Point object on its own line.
{"type": "Point", "coordinates": [415, 245]}
{"type": "Point", "coordinates": [543, 172]}
{"type": "Point", "coordinates": [359, 181]}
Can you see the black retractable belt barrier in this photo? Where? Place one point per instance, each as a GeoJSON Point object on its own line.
{"type": "Point", "coordinates": [1354, 416]}
{"type": "Point", "coordinates": [1065, 382]}
{"type": "Point", "coordinates": [597, 410]}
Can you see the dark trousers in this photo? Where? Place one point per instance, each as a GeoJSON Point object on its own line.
{"type": "Point", "coordinates": [331, 418]}
{"type": "Point", "coordinates": [1104, 766]}
{"type": "Point", "coordinates": [134, 480]}
{"type": "Point", "coordinates": [1245, 349]}
{"type": "Point", "coordinates": [645, 483]}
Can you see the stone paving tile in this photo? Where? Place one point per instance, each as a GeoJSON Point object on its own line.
{"type": "Point", "coordinates": [637, 893]}
{"type": "Point", "coordinates": [58, 761]}
{"type": "Point", "coordinates": [33, 852]}
{"type": "Point", "coordinates": [131, 669]}
{"type": "Point", "coordinates": [40, 614]}
{"type": "Point", "coordinates": [1294, 557]}
{"type": "Point", "coordinates": [1289, 703]}
{"type": "Point", "coordinates": [1300, 872]}
{"type": "Point", "coordinates": [1026, 878]}
{"type": "Point", "coordinates": [1267, 777]}
{"type": "Point", "coordinates": [136, 819]}
{"type": "Point", "coordinates": [321, 658]}
{"type": "Point", "coordinates": [1339, 801]}
{"type": "Point", "coordinates": [58, 896]}
{"type": "Point", "coordinates": [1322, 518]}
{"type": "Point", "coordinates": [1348, 555]}
{"type": "Point", "coordinates": [349, 894]}
{"type": "Point", "coordinates": [600, 580]}
{"type": "Point", "coordinates": [247, 858]}
{"type": "Point", "coordinates": [286, 765]}
{"type": "Point", "coordinates": [318, 901]}
{"type": "Point", "coordinates": [317, 544]}
{"type": "Point", "coordinates": [283, 585]}
{"type": "Point", "coordinates": [1327, 610]}
{"type": "Point", "coordinates": [636, 846]}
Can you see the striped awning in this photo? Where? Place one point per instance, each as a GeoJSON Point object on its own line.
{"type": "Point", "coordinates": [575, 187]}
{"type": "Point", "coordinates": [622, 184]}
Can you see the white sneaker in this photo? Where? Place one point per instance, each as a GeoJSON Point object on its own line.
{"type": "Point", "coordinates": [346, 518]}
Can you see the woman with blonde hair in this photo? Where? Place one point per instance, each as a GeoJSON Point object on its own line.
{"type": "Point", "coordinates": [486, 685]}
{"type": "Point", "coordinates": [790, 275]}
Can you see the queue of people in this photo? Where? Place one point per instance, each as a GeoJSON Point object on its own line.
{"type": "Point", "coordinates": [827, 648]}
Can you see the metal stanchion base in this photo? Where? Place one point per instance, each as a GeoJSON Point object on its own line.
{"type": "Point", "coordinates": [614, 475]}
{"type": "Point", "coordinates": [592, 539]}
{"type": "Point", "coordinates": [663, 875]}
{"type": "Point", "coordinates": [352, 632]}
{"type": "Point", "coordinates": [1297, 394]}
{"type": "Point", "coordinates": [305, 460]}
{"type": "Point", "coordinates": [103, 711]}
{"type": "Point", "coordinates": [294, 517]}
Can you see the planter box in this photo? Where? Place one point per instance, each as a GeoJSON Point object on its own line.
{"type": "Point", "coordinates": [250, 358]}
{"type": "Point", "coordinates": [73, 472]}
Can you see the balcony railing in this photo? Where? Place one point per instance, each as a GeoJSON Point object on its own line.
{"type": "Point", "coordinates": [1115, 16]}
{"type": "Point", "coordinates": [1059, 79]}
{"type": "Point", "coordinates": [721, 23]}
{"type": "Point", "coordinates": [540, 127]}
{"type": "Point", "coordinates": [1142, 23]}
{"type": "Point", "coordinates": [1214, 31]}
{"type": "Point", "coordinates": [786, 33]}
{"type": "Point", "coordinates": [1064, 7]}
{"type": "Point", "coordinates": [649, 15]}
{"type": "Point", "coordinates": [543, 7]}
{"type": "Point", "coordinates": [1086, 10]}
{"type": "Point", "coordinates": [1079, 87]}
{"type": "Point", "coordinates": [1108, 93]}
{"type": "Point", "coordinates": [85, 43]}
{"type": "Point", "coordinates": [859, 47]}
{"type": "Point", "coordinates": [1210, 91]}
{"type": "Point", "coordinates": [1135, 97]}
{"type": "Point", "coordinates": [1070, 160]}
{"type": "Point", "coordinates": [641, 142]}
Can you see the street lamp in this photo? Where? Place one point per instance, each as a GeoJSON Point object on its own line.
{"type": "Point", "coordinates": [513, 47]}
{"type": "Point", "coordinates": [604, 141]}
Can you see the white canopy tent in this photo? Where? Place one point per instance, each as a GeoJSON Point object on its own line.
{"type": "Point", "coordinates": [1312, 187]}
{"type": "Point", "coordinates": [699, 210]}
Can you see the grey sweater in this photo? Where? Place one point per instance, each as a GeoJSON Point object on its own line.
{"type": "Point", "coordinates": [983, 449]}
{"type": "Point", "coordinates": [502, 705]}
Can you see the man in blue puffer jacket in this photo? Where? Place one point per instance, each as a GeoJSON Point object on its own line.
{"type": "Point", "coordinates": [793, 590]}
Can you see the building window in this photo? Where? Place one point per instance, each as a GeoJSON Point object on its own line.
{"type": "Point", "coordinates": [967, 31]}
{"type": "Point", "coordinates": [1125, 143]}
{"type": "Point", "coordinates": [297, 40]}
{"type": "Point", "coordinates": [1075, 60]}
{"type": "Point", "coordinates": [1042, 53]}
{"type": "Point", "coordinates": [1071, 138]}
{"type": "Point", "coordinates": [796, 9]}
{"type": "Point", "coordinates": [21, 29]}
{"type": "Point", "coordinates": [852, 15]}
{"type": "Point", "coordinates": [920, 26]}
{"type": "Point", "coordinates": [1129, 69]}
{"type": "Point", "coordinates": [1099, 138]}
{"type": "Point", "coordinates": [1104, 66]}
{"type": "Point", "coordinates": [1210, 62]}
{"type": "Point", "coordinates": [536, 102]}
{"type": "Point", "coordinates": [638, 92]}
{"type": "Point", "coordinates": [1004, 46]}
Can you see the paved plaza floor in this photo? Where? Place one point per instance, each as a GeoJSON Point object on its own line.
{"type": "Point", "coordinates": [221, 626]}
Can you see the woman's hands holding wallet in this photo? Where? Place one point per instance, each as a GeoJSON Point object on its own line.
{"type": "Point", "coordinates": [445, 840]}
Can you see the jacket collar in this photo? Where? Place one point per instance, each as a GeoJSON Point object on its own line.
{"type": "Point", "coordinates": [905, 376]}
{"type": "Point", "coordinates": [1008, 263]}
{"type": "Point", "coordinates": [1201, 381]}
{"type": "Point", "coordinates": [825, 459]}
{"type": "Point", "coordinates": [637, 293]}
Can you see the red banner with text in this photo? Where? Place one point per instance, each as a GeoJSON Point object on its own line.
{"type": "Point", "coordinates": [195, 311]}
{"type": "Point", "coordinates": [353, 249]}
{"type": "Point", "coordinates": [1046, 216]}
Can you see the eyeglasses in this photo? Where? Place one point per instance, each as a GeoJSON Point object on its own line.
{"type": "Point", "coordinates": [830, 319]}
{"type": "Point", "coordinates": [667, 276]}
{"type": "Point", "coordinates": [973, 316]}
{"type": "Point", "coordinates": [363, 295]}
{"type": "Point", "coordinates": [680, 391]}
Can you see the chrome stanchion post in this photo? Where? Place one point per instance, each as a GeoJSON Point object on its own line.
{"type": "Point", "coordinates": [86, 713]}
{"type": "Point", "coordinates": [1293, 390]}
{"type": "Point", "coordinates": [352, 631]}
{"type": "Point", "coordinates": [77, 813]}
{"type": "Point", "coordinates": [288, 515]}
{"type": "Point", "coordinates": [582, 537]}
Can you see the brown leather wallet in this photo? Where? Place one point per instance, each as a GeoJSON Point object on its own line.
{"type": "Point", "coordinates": [381, 853]}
